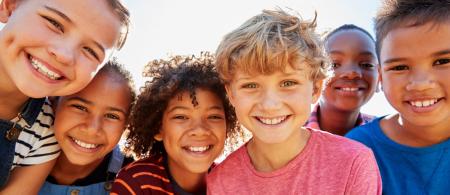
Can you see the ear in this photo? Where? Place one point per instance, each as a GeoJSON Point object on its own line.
{"type": "Point", "coordinates": [158, 137]}
{"type": "Point", "coordinates": [6, 9]}
{"type": "Point", "coordinates": [380, 79]}
{"type": "Point", "coordinates": [317, 90]}
{"type": "Point", "coordinates": [229, 93]}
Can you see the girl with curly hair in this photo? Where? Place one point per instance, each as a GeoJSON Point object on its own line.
{"type": "Point", "coordinates": [178, 128]}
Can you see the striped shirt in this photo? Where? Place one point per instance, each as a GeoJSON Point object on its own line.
{"type": "Point", "coordinates": [313, 120]}
{"type": "Point", "coordinates": [36, 144]}
{"type": "Point", "coordinates": [146, 176]}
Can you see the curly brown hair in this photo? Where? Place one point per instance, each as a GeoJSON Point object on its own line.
{"type": "Point", "coordinates": [168, 79]}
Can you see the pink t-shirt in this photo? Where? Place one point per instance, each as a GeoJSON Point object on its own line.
{"type": "Point", "coordinates": [328, 164]}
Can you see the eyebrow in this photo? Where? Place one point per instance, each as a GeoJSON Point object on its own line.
{"type": "Point", "coordinates": [440, 53]}
{"type": "Point", "coordinates": [186, 108]}
{"type": "Point", "coordinates": [360, 53]}
{"type": "Point", "coordinates": [92, 103]}
{"type": "Point", "coordinates": [177, 107]}
{"type": "Point", "coordinates": [59, 13]}
{"type": "Point", "coordinates": [65, 17]}
{"type": "Point", "coordinates": [392, 60]}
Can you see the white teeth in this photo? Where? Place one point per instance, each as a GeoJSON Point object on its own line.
{"type": "Point", "coordinates": [85, 145]}
{"type": "Point", "coordinates": [272, 121]}
{"type": "Point", "coordinates": [424, 103]}
{"type": "Point", "coordinates": [198, 148]}
{"type": "Point", "coordinates": [349, 89]}
{"type": "Point", "coordinates": [44, 70]}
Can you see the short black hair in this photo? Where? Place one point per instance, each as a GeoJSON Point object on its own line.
{"type": "Point", "coordinates": [348, 27]}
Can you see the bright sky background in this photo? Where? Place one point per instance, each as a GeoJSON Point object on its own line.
{"type": "Point", "coordinates": [164, 27]}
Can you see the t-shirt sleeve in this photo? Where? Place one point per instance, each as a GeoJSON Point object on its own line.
{"type": "Point", "coordinates": [125, 184]}
{"type": "Point", "coordinates": [365, 177]}
{"type": "Point", "coordinates": [37, 144]}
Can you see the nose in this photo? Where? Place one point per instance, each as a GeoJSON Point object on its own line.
{"type": "Point", "coordinates": [63, 51]}
{"type": "Point", "coordinates": [349, 71]}
{"type": "Point", "coordinates": [199, 127]}
{"type": "Point", "coordinates": [420, 81]}
{"type": "Point", "coordinates": [93, 124]}
{"type": "Point", "coordinates": [270, 100]}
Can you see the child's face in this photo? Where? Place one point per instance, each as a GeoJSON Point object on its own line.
{"type": "Point", "coordinates": [415, 73]}
{"type": "Point", "coordinates": [193, 136]}
{"type": "Point", "coordinates": [273, 106]}
{"type": "Point", "coordinates": [89, 124]}
{"type": "Point", "coordinates": [355, 75]}
{"type": "Point", "coordinates": [54, 48]}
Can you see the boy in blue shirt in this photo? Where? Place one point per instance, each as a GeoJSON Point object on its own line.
{"type": "Point", "coordinates": [412, 146]}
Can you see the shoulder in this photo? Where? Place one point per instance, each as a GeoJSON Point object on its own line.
{"type": "Point", "coordinates": [143, 174]}
{"type": "Point", "coordinates": [337, 145]}
{"type": "Point", "coordinates": [365, 132]}
{"type": "Point", "coordinates": [154, 164]}
{"type": "Point", "coordinates": [231, 165]}
{"type": "Point", "coordinates": [37, 143]}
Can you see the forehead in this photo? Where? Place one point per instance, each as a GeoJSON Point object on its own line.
{"type": "Point", "coordinates": [105, 90]}
{"type": "Point", "coordinates": [350, 39]}
{"type": "Point", "coordinates": [205, 98]}
{"type": "Point", "coordinates": [92, 19]}
{"type": "Point", "coordinates": [301, 69]}
{"type": "Point", "coordinates": [415, 42]}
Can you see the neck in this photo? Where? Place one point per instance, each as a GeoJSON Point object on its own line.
{"type": "Point", "coordinates": [336, 121]}
{"type": "Point", "coordinates": [408, 134]}
{"type": "Point", "coordinates": [66, 173]}
{"type": "Point", "coordinates": [187, 180]}
{"type": "Point", "coordinates": [270, 157]}
{"type": "Point", "coordinates": [11, 99]}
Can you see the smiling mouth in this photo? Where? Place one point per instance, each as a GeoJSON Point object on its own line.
{"type": "Point", "coordinates": [43, 69]}
{"type": "Point", "coordinates": [84, 144]}
{"type": "Point", "coordinates": [424, 103]}
{"type": "Point", "coordinates": [272, 120]}
{"type": "Point", "coordinates": [198, 149]}
{"type": "Point", "coordinates": [349, 89]}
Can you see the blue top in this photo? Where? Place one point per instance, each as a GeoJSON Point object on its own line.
{"type": "Point", "coordinates": [405, 169]}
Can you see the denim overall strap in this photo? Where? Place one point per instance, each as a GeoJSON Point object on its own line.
{"type": "Point", "coordinates": [115, 164]}
{"type": "Point", "coordinates": [8, 140]}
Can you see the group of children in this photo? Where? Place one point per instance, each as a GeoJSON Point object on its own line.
{"type": "Point", "coordinates": [65, 104]}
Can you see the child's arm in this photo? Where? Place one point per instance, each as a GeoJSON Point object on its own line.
{"type": "Point", "coordinates": [29, 179]}
{"type": "Point", "coordinates": [365, 177]}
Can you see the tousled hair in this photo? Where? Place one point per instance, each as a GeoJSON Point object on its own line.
{"type": "Point", "coordinates": [270, 42]}
{"type": "Point", "coordinates": [409, 13]}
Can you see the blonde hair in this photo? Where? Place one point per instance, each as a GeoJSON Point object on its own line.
{"type": "Point", "coordinates": [268, 42]}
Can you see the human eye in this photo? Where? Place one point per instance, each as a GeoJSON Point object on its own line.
{"type": "Point", "coordinates": [441, 62]}
{"type": "Point", "coordinates": [79, 107]}
{"type": "Point", "coordinates": [179, 117]}
{"type": "Point", "coordinates": [335, 65]}
{"type": "Point", "coordinates": [367, 65]}
{"type": "Point", "coordinates": [54, 23]}
{"type": "Point", "coordinates": [112, 116]}
{"type": "Point", "coordinates": [288, 83]}
{"type": "Point", "coordinates": [398, 67]}
{"type": "Point", "coordinates": [249, 85]}
{"type": "Point", "coordinates": [91, 52]}
{"type": "Point", "coordinates": [216, 117]}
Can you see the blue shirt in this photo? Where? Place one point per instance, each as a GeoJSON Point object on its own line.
{"type": "Point", "coordinates": [405, 169]}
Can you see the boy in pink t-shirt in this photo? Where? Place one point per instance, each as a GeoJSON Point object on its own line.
{"type": "Point", "coordinates": [273, 67]}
